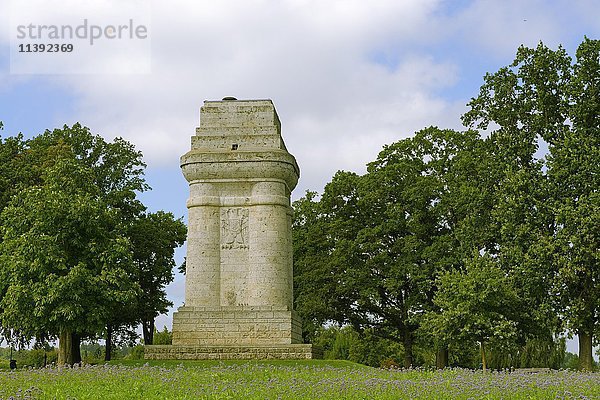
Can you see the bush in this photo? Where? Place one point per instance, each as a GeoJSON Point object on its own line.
{"type": "Point", "coordinates": [35, 358]}
{"type": "Point", "coordinates": [92, 353]}
{"type": "Point", "coordinates": [164, 337]}
{"type": "Point", "coordinates": [346, 344]}
{"type": "Point", "coordinates": [571, 361]}
{"type": "Point", "coordinates": [136, 353]}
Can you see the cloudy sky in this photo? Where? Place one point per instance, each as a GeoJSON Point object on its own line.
{"type": "Point", "coordinates": [346, 76]}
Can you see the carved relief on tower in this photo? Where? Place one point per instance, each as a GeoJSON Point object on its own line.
{"type": "Point", "coordinates": [234, 228]}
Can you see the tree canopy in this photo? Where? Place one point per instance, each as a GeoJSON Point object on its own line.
{"type": "Point", "coordinates": [485, 236]}
{"type": "Point", "coordinates": [371, 248]}
{"type": "Point", "coordinates": [154, 238]}
{"type": "Point", "coordinates": [73, 255]}
{"type": "Point", "coordinates": [545, 98]}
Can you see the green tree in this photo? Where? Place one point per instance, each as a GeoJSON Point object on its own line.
{"type": "Point", "coordinates": [546, 97]}
{"type": "Point", "coordinates": [312, 283]}
{"type": "Point", "coordinates": [571, 361]}
{"type": "Point", "coordinates": [154, 237]}
{"type": "Point", "coordinates": [120, 331]}
{"type": "Point", "coordinates": [368, 252]}
{"type": "Point", "coordinates": [11, 149]}
{"type": "Point", "coordinates": [458, 168]}
{"type": "Point", "coordinates": [12, 174]}
{"type": "Point", "coordinates": [479, 304]}
{"type": "Point", "coordinates": [163, 337]}
{"type": "Point", "coordinates": [65, 258]}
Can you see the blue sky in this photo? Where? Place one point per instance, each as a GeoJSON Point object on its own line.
{"type": "Point", "coordinates": [346, 76]}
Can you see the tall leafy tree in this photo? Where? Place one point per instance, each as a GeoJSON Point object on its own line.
{"type": "Point", "coordinates": [12, 170]}
{"type": "Point", "coordinates": [550, 206]}
{"type": "Point", "coordinates": [574, 172]}
{"type": "Point", "coordinates": [13, 178]}
{"type": "Point", "coordinates": [368, 252]}
{"type": "Point", "coordinates": [154, 237]}
{"type": "Point", "coordinates": [63, 259]}
{"type": "Point", "coordinates": [477, 304]}
{"type": "Point", "coordinates": [460, 166]}
{"type": "Point", "coordinates": [65, 256]}
{"type": "Point", "coordinates": [312, 281]}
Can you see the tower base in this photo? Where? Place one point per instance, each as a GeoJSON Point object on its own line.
{"type": "Point", "coordinates": [236, 326]}
{"type": "Point", "coordinates": [234, 333]}
{"type": "Point", "coordinates": [266, 352]}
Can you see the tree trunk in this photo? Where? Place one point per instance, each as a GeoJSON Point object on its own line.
{"type": "Point", "coordinates": [408, 350]}
{"type": "Point", "coordinates": [108, 343]}
{"type": "Point", "coordinates": [483, 359]}
{"type": "Point", "coordinates": [441, 358]}
{"type": "Point", "coordinates": [76, 343]}
{"type": "Point", "coordinates": [69, 352]}
{"type": "Point", "coordinates": [148, 331]}
{"type": "Point", "coordinates": [585, 351]}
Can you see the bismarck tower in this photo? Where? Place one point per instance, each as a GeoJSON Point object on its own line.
{"type": "Point", "coordinates": [239, 289]}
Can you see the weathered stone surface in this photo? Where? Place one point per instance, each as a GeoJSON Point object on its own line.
{"type": "Point", "coordinates": [292, 351]}
{"type": "Point", "coordinates": [241, 177]}
{"type": "Point", "coordinates": [239, 252]}
{"type": "Point", "coordinates": [235, 325]}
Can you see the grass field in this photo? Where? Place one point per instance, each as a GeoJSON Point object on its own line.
{"type": "Point", "coordinates": [286, 380]}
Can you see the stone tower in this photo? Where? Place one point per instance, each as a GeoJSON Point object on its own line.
{"type": "Point", "coordinates": [239, 289]}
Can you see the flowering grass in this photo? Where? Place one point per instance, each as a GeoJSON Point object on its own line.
{"type": "Point", "coordinates": [286, 380]}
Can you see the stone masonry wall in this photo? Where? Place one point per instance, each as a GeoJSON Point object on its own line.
{"type": "Point", "coordinates": [283, 352]}
{"type": "Point", "coordinates": [236, 326]}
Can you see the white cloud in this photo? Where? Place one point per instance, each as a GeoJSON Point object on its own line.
{"type": "Point", "coordinates": [316, 59]}
{"type": "Point", "coordinates": [312, 58]}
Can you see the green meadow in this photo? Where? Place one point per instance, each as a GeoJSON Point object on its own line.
{"type": "Point", "coordinates": [286, 380]}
